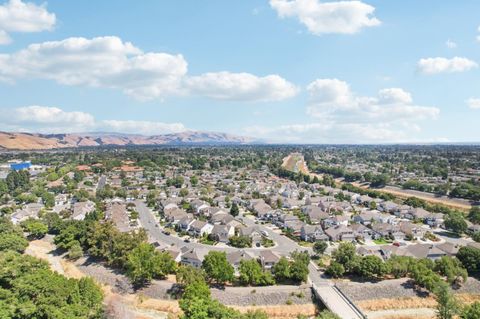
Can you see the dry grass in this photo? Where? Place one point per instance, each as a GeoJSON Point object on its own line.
{"type": "Point", "coordinates": [397, 303]}
{"type": "Point", "coordinates": [283, 311]}
{"type": "Point", "coordinates": [407, 317]}
{"type": "Point", "coordinates": [410, 302]}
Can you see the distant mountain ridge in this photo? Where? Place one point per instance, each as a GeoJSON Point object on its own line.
{"type": "Point", "coordinates": [38, 141]}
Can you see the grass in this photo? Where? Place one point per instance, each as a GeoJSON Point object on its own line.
{"type": "Point", "coordinates": [381, 241]}
{"type": "Point", "coordinates": [207, 241]}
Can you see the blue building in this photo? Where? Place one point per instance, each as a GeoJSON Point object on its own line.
{"type": "Point", "coordinates": [20, 166]}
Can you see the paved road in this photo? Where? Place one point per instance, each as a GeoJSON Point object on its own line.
{"type": "Point", "coordinates": [284, 245]}
{"type": "Point", "coordinates": [101, 182]}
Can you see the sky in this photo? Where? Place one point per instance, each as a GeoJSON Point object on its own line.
{"type": "Point", "coordinates": [283, 71]}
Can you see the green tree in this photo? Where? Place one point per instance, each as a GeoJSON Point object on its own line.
{"type": "Point", "coordinates": [144, 264]}
{"type": "Point", "coordinates": [447, 306]}
{"type": "Point", "coordinates": [75, 251]}
{"type": "Point", "coordinates": [470, 258]}
{"type": "Point", "coordinates": [234, 211]}
{"type": "Point", "coordinates": [451, 268]}
{"type": "Point", "coordinates": [299, 266]}
{"type": "Point", "coordinates": [319, 247]}
{"type": "Point", "coordinates": [281, 270]}
{"type": "Point", "coordinates": [474, 215]}
{"type": "Point", "coordinates": [187, 275]}
{"type": "Point", "coordinates": [36, 229]}
{"type": "Point", "coordinates": [456, 223]}
{"type": "Point", "coordinates": [335, 269]}
{"type": "Point", "coordinates": [346, 255]}
{"type": "Point", "coordinates": [217, 267]}
{"type": "Point", "coordinates": [371, 267]}
{"type": "Point", "coordinates": [11, 237]}
{"type": "Point", "coordinates": [251, 273]}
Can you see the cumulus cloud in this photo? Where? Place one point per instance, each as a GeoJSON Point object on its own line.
{"type": "Point", "coordinates": [109, 62]}
{"type": "Point", "coordinates": [18, 16]}
{"type": "Point", "coordinates": [444, 65]}
{"type": "Point", "coordinates": [345, 17]}
{"type": "Point", "coordinates": [45, 119]}
{"type": "Point", "coordinates": [240, 87]}
{"type": "Point", "coordinates": [338, 115]}
{"type": "Point", "coordinates": [473, 103]}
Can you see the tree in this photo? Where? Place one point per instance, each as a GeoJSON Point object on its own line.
{"type": "Point", "coordinates": [187, 275]}
{"type": "Point", "coordinates": [371, 267]}
{"type": "Point", "coordinates": [144, 264]}
{"type": "Point", "coordinates": [194, 180]}
{"type": "Point", "coordinates": [472, 311]}
{"type": "Point", "coordinates": [335, 269]}
{"type": "Point", "coordinates": [281, 270]}
{"type": "Point", "coordinates": [470, 258]}
{"type": "Point", "coordinates": [251, 273]}
{"type": "Point", "coordinates": [32, 290]}
{"type": "Point", "coordinates": [75, 251]}
{"type": "Point", "coordinates": [35, 228]}
{"type": "Point", "coordinates": [474, 215]}
{"type": "Point", "coordinates": [217, 267]}
{"type": "Point", "coordinates": [299, 266]}
{"type": "Point", "coordinates": [456, 223]}
{"type": "Point", "coordinates": [319, 247]}
{"type": "Point", "coordinates": [346, 255]}
{"type": "Point", "coordinates": [451, 268]}
{"type": "Point", "coordinates": [399, 266]}
{"type": "Point", "coordinates": [447, 306]}
{"type": "Point", "coordinates": [234, 211]}
{"type": "Point", "coordinates": [11, 237]}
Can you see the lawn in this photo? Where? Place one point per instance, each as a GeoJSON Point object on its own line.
{"type": "Point", "coordinates": [381, 241]}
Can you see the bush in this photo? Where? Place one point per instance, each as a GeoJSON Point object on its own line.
{"type": "Point", "coordinates": [336, 270]}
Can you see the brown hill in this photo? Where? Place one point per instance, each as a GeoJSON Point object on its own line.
{"type": "Point", "coordinates": [34, 141]}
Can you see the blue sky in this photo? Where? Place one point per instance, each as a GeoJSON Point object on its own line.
{"type": "Point", "coordinates": [296, 71]}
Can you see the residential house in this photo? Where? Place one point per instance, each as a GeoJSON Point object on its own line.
{"type": "Point", "coordinates": [312, 233]}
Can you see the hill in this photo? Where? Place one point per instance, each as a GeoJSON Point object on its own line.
{"type": "Point", "coordinates": [36, 141]}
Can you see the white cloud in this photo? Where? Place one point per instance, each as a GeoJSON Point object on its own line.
{"type": "Point", "coordinates": [18, 16]}
{"type": "Point", "coordinates": [4, 38]}
{"type": "Point", "coordinates": [345, 17]}
{"type": "Point", "coordinates": [341, 116]}
{"type": "Point", "coordinates": [240, 87]}
{"type": "Point", "coordinates": [99, 62]}
{"type": "Point", "coordinates": [108, 62]}
{"type": "Point", "coordinates": [451, 44]}
{"type": "Point", "coordinates": [444, 65]}
{"type": "Point", "coordinates": [473, 103]}
{"type": "Point", "coordinates": [44, 119]}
